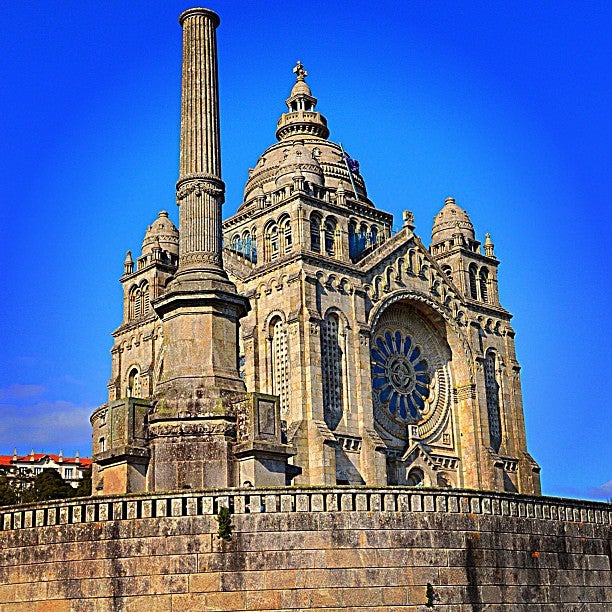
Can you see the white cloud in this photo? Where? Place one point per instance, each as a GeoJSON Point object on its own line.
{"type": "Point", "coordinates": [45, 427]}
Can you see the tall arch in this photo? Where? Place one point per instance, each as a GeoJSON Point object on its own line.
{"type": "Point", "coordinates": [492, 393]}
{"type": "Point", "coordinates": [330, 236]}
{"type": "Point", "coordinates": [315, 232]}
{"type": "Point", "coordinates": [279, 361]}
{"type": "Point", "coordinates": [333, 366]}
{"type": "Point", "coordinates": [286, 237]}
{"type": "Point", "coordinates": [133, 383]}
{"type": "Point", "coordinates": [473, 272]}
{"type": "Point", "coordinates": [484, 280]}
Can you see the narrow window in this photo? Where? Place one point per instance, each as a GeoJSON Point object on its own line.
{"type": "Point", "coordinates": [353, 248]}
{"type": "Point", "coordinates": [145, 298]}
{"type": "Point", "coordinates": [286, 235]}
{"type": "Point", "coordinates": [315, 234]}
{"type": "Point", "coordinates": [484, 279]}
{"type": "Point", "coordinates": [331, 362]}
{"type": "Point", "coordinates": [273, 241]}
{"type": "Point", "coordinates": [280, 363]}
{"type": "Point", "coordinates": [374, 234]}
{"type": "Point", "coordinates": [492, 392]}
{"type": "Point", "coordinates": [133, 389]}
{"type": "Point", "coordinates": [137, 303]}
{"type": "Point", "coordinates": [102, 444]}
{"type": "Point", "coordinates": [132, 305]}
{"type": "Point", "coordinates": [330, 238]}
{"type": "Point", "coordinates": [473, 285]}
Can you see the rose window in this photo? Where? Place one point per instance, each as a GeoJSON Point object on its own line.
{"type": "Point", "coordinates": [400, 376]}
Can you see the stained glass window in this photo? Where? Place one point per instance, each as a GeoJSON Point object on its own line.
{"type": "Point", "coordinates": [400, 375]}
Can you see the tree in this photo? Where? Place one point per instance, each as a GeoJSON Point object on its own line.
{"type": "Point", "coordinates": [8, 496]}
{"type": "Point", "coordinates": [84, 488]}
{"type": "Point", "coordinates": [49, 485]}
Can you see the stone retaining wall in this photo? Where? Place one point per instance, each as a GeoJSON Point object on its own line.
{"type": "Point", "coordinates": [338, 548]}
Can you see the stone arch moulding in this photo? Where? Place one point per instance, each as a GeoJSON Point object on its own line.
{"type": "Point", "coordinates": [343, 318]}
{"type": "Point", "coordinates": [457, 340]}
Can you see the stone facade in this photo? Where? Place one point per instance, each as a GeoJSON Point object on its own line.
{"type": "Point", "coordinates": [391, 362]}
{"type": "Point", "coordinates": [308, 549]}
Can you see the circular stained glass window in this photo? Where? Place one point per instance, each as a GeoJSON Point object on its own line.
{"type": "Point", "coordinates": [400, 376]}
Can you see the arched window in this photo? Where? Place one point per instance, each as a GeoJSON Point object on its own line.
{"type": "Point", "coordinates": [374, 235]}
{"type": "Point", "coordinates": [352, 233]}
{"type": "Point", "coordinates": [272, 242]}
{"type": "Point", "coordinates": [492, 391]}
{"type": "Point", "coordinates": [145, 299]}
{"type": "Point", "coordinates": [330, 237]}
{"type": "Point", "coordinates": [332, 359]}
{"type": "Point", "coordinates": [132, 303]}
{"type": "Point", "coordinates": [448, 271]}
{"type": "Point", "coordinates": [133, 386]}
{"type": "Point", "coordinates": [315, 233]}
{"type": "Point", "coordinates": [484, 279]}
{"type": "Point", "coordinates": [236, 243]}
{"type": "Point", "coordinates": [286, 237]}
{"type": "Point", "coordinates": [279, 360]}
{"type": "Point", "coordinates": [416, 478]}
{"type": "Point", "coordinates": [252, 246]}
{"type": "Point", "coordinates": [473, 285]}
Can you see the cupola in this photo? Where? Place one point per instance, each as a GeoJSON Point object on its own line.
{"type": "Point", "coordinates": [302, 119]}
{"type": "Point", "coordinates": [161, 233]}
{"type": "Point", "coordinates": [450, 222]}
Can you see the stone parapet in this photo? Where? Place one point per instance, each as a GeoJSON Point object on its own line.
{"type": "Point", "coordinates": [289, 500]}
{"type": "Point", "coordinates": [335, 548]}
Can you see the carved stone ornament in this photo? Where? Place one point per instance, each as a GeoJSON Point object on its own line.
{"type": "Point", "coordinates": [210, 186]}
{"type": "Point", "coordinates": [208, 257]}
{"type": "Point", "coordinates": [465, 392]}
{"type": "Point", "coordinates": [192, 428]}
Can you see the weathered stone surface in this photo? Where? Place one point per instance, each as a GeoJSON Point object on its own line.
{"type": "Point", "coordinates": [286, 558]}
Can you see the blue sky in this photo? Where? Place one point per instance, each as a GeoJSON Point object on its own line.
{"type": "Point", "coordinates": [505, 106]}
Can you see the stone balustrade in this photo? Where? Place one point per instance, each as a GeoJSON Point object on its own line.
{"type": "Point", "coordinates": [295, 500]}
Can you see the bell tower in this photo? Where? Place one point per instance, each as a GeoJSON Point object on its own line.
{"type": "Point", "coordinates": [191, 423]}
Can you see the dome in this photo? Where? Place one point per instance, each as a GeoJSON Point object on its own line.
{"type": "Point", "coordinates": [449, 221]}
{"type": "Point", "coordinates": [303, 147]}
{"type": "Point", "coordinates": [161, 231]}
{"type": "Point", "coordinates": [298, 158]}
{"type": "Point", "coordinates": [300, 89]}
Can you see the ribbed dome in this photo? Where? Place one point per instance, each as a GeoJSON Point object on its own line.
{"type": "Point", "coordinates": [298, 158]}
{"type": "Point", "coordinates": [449, 221]}
{"type": "Point", "coordinates": [300, 89]}
{"type": "Point", "coordinates": [303, 147]}
{"type": "Point", "coordinates": [161, 231]}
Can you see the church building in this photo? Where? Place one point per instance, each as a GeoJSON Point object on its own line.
{"type": "Point", "coordinates": [301, 341]}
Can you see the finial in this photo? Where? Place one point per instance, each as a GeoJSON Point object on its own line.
{"type": "Point", "coordinates": [128, 264]}
{"type": "Point", "coordinates": [488, 245]}
{"type": "Point", "coordinates": [408, 218]}
{"type": "Point", "coordinates": [163, 213]}
{"type": "Point", "coordinates": [300, 71]}
{"type": "Point", "coordinates": [449, 200]}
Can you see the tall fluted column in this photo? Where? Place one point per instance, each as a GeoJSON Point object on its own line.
{"type": "Point", "coordinates": [192, 425]}
{"type": "Point", "coordinates": [200, 192]}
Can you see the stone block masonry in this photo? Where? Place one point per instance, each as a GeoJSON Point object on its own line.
{"type": "Point", "coordinates": [308, 549]}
